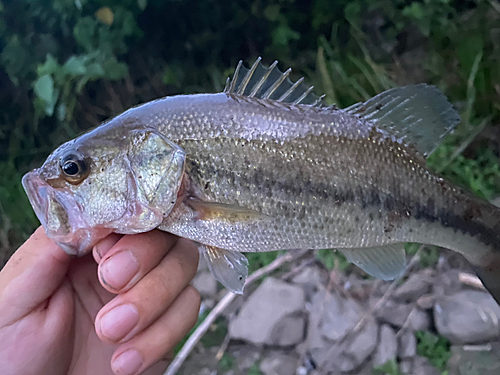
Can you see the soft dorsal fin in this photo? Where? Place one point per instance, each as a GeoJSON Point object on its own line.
{"type": "Point", "coordinates": [270, 83]}
{"type": "Point", "coordinates": [419, 115]}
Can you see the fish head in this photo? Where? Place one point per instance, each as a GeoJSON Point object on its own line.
{"type": "Point", "coordinates": [109, 180]}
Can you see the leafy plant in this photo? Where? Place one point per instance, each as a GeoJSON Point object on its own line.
{"type": "Point", "coordinates": [435, 347]}
{"type": "Point", "coordinates": [388, 368]}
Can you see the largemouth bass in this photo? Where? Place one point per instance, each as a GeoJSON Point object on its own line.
{"type": "Point", "coordinates": [265, 166]}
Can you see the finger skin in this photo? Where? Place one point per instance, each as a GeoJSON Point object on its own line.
{"type": "Point", "coordinates": [101, 248]}
{"type": "Point", "coordinates": [161, 337]}
{"type": "Point", "coordinates": [146, 250]}
{"type": "Point", "coordinates": [37, 269]}
{"type": "Point", "coordinates": [156, 291]}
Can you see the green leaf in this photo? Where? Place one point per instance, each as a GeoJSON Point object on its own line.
{"type": "Point", "coordinates": [142, 4]}
{"type": "Point", "coordinates": [283, 34]}
{"type": "Point", "coordinates": [84, 32]}
{"type": "Point", "coordinates": [50, 66]}
{"type": "Point", "coordinates": [271, 12]}
{"type": "Point", "coordinates": [114, 69]}
{"type": "Point", "coordinates": [15, 59]}
{"type": "Point", "coordinates": [75, 66]}
{"type": "Point", "coordinates": [44, 88]}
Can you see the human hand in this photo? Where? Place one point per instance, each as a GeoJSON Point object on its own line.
{"type": "Point", "coordinates": [137, 294]}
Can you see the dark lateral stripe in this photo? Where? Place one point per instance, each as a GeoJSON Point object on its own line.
{"type": "Point", "coordinates": [399, 208]}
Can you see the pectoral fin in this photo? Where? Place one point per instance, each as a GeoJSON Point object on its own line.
{"type": "Point", "coordinates": [220, 211]}
{"type": "Point", "coordinates": [384, 262]}
{"type": "Point", "coordinates": [230, 268]}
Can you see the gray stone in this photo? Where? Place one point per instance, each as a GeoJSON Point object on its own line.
{"type": "Point", "coordinates": [418, 320]}
{"type": "Point", "coordinates": [397, 314]}
{"type": "Point", "coordinates": [271, 315]}
{"type": "Point", "coordinates": [205, 283]}
{"type": "Point", "coordinates": [310, 275]}
{"type": "Point", "coordinates": [475, 360]}
{"type": "Point", "coordinates": [422, 366]}
{"type": "Point", "coordinates": [245, 355]}
{"type": "Point", "coordinates": [387, 348]}
{"type": "Point", "coordinates": [332, 317]}
{"type": "Point", "coordinates": [407, 345]}
{"type": "Point", "coordinates": [363, 344]}
{"type": "Point", "coordinates": [417, 285]}
{"type": "Point", "coordinates": [279, 364]}
{"type": "Point", "coordinates": [468, 316]}
{"type": "Point", "coordinates": [406, 366]}
{"type": "Point", "coordinates": [496, 202]}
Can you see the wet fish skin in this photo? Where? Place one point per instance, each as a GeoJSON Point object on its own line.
{"type": "Point", "coordinates": [241, 172]}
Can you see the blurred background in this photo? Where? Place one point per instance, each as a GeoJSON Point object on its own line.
{"type": "Point", "coordinates": [68, 65]}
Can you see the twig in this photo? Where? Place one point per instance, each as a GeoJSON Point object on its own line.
{"type": "Point", "coordinates": [470, 280]}
{"type": "Point", "coordinates": [223, 347]}
{"type": "Point", "coordinates": [220, 307]}
{"type": "Point", "coordinates": [406, 322]}
{"type": "Point", "coordinates": [382, 301]}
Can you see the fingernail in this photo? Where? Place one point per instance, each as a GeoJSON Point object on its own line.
{"type": "Point", "coordinates": [118, 322]}
{"type": "Point", "coordinates": [119, 269]}
{"type": "Point", "coordinates": [127, 363]}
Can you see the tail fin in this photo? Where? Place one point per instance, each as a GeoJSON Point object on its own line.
{"type": "Point", "coordinates": [491, 281]}
{"type": "Point", "coordinates": [490, 276]}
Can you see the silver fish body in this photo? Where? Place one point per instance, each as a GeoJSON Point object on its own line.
{"type": "Point", "coordinates": [243, 171]}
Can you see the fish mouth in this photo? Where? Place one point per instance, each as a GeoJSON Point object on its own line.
{"type": "Point", "coordinates": [61, 216]}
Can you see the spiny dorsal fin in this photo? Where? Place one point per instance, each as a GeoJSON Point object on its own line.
{"type": "Point", "coordinates": [270, 83]}
{"type": "Point", "coordinates": [419, 115]}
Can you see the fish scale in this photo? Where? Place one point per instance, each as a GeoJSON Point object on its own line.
{"type": "Point", "coordinates": [266, 166]}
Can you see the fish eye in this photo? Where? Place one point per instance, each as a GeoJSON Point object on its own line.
{"type": "Point", "coordinates": [74, 168]}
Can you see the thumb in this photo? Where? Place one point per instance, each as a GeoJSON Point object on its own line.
{"type": "Point", "coordinates": [31, 276]}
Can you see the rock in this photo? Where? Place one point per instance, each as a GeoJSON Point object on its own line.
{"type": "Point", "coordinates": [418, 320]}
{"type": "Point", "coordinates": [406, 366]}
{"type": "Point", "coordinates": [474, 360]}
{"type": "Point", "coordinates": [279, 364]}
{"type": "Point", "coordinates": [448, 283]}
{"type": "Point", "coordinates": [272, 315]}
{"type": "Point", "coordinates": [332, 317]}
{"type": "Point", "coordinates": [311, 278]}
{"type": "Point", "coordinates": [310, 275]}
{"type": "Point", "coordinates": [387, 348]}
{"type": "Point", "coordinates": [496, 202]}
{"type": "Point", "coordinates": [245, 355]}
{"type": "Point", "coordinates": [407, 345]}
{"type": "Point", "coordinates": [426, 302]}
{"type": "Point", "coordinates": [422, 366]}
{"type": "Point", "coordinates": [397, 314]}
{"type": "Point", "coordinates": [468, 316]}
{"type": "Point", "coordinates": [363, 344]}
{"type": "Point", "coordinates": [205, 283]}
{"type": "Point", "coordinates": [417, 285]}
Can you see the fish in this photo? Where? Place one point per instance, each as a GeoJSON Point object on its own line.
{"type": "Point", "coordinates": [266, 165]}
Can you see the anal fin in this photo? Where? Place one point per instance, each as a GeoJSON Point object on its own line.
{"type": "Point", "coordinates": [230, 268]}
{"type": "Point", "coordinates": [383, 262]}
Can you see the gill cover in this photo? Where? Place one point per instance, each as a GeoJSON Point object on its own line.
{"type": "Point", "coordinates": [156, 166]}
